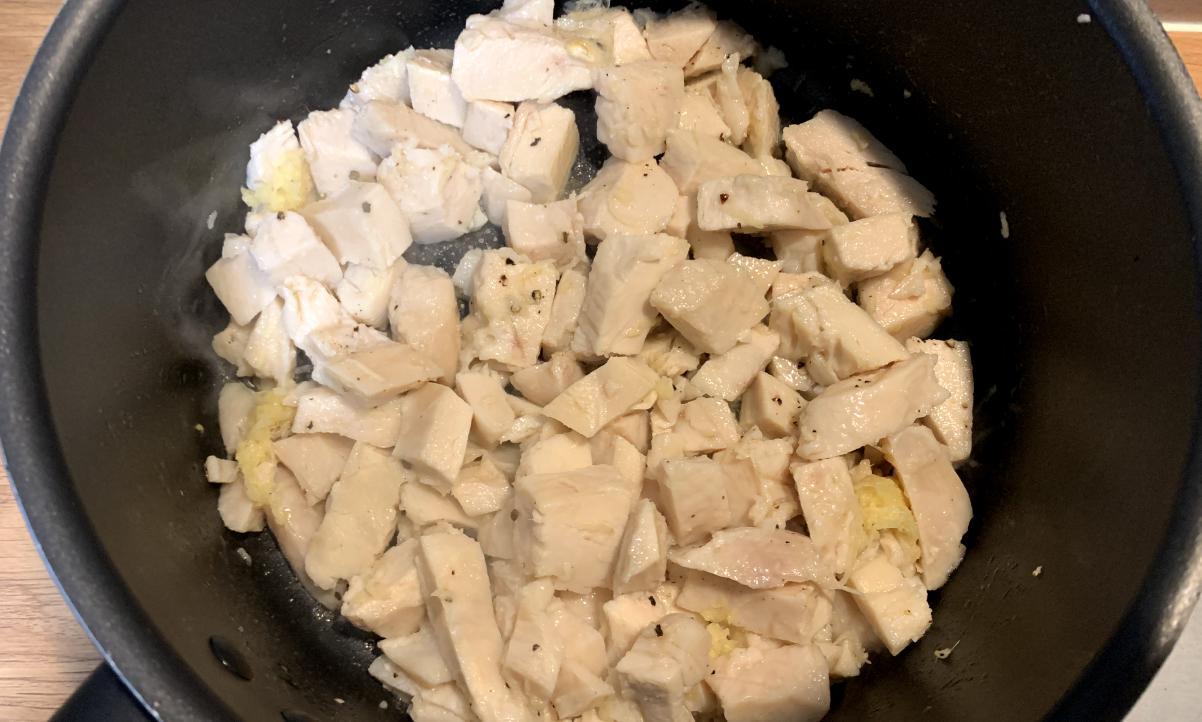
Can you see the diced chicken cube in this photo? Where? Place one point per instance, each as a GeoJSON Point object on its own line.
{"type": "Point", "coordinates": [309, 308]}
{"type": "Point", "coordinates": [628, 44]}
{"type": "Point", "coordinates": [637, 104]}
{"type": "Point", "coordinates": [316, 460]}
{"type": "Point", "coordinates": [794, 375]}
{"type": "Point", "coordinates": [491, 414]}
{"type": "Point", "coordinates": [755, 203]}
{"type": "Point", "coordinates": [570, 525]}
{"type": "Point", "coordinates": [699, 114]}
{"type": "Point", "coordinates": [627, 199]}
{"type": "Point", "coordinates": [578, 690]}
{"type": "Point", "coordinates": [361, 224]}
{"type": "Point", "coordinates": [541, 149]}
{"type": "Point", "coordinates": [230, 345]}
{"type": "Point", "coordinates": [535, 652]}
{"type": "Point", "coordinates": [831, 510]}
{"type": "Point", "coordinates": [774, 500]}
{"type": "Point", "coordinates": [335, 158]}
{"type": "Point", "coordinates": [792, 613]}
{"type": "Point", "coordinates": [870, 246]}
{"type": "Point", "coordinates": [535, 13]}
{"type": "Point", "coordinates": [417, 655]}
{"type": "Point", "coordinates": [677, 37]}
{"type": "Point", "coordinates": [277, 176]}
{"type": "Point", "coordinates": [643, 554]}
{"type": "Point", "coordinates": [669, 354]}
{"type": "Point", "coordinates": [381, 372]}
{"type": "Point", "coordinates": [565, 310]}
{"type": "Point", "coordinates": [863, 409]}
{"type": "Point", "coordinates": [909, 300]}
{"type": "Point", "coordinates": [555, 454]}
{"type": "Point", "coordinates": [704, 425]}
{"type": "Point", "coordinates": [386, 80]}
{"type": "Point", "coordinates": [726, 40]}
{"type": "Point", "coordinates": [937, 497]}
{"type": "Point", "coordinates": [444, 703]}
{"type": "Point", "coordinates": [241, 286]}
{"type": "Point", "coordinates": [512, 297]}
{"type": "Point", "coordinates": [760, 270]}
{"type": "Point", "coordinates": [800, 251]}
{"type": "Point", "coordinates": [360, 517]}
{"type": "Point", "coordinates": [498, 191]}
{"type": "Point", "coordinates": [426, 506]}
{"type": "Point", "coordinates": [486, 124]}
{"type": "Point", "coordinates": [481, 488]}
{"type": "Point", "coordinates": [293, 522]}
{"type": "Point", "coordinates": [628, 614]}
{"type": "Point", "coordinates": [633, 427]}
{"type": "Point", "coordinates": [220, 471]}
{"type": "Point", "coordinates": [831, 141]}
{"type": "Point", "coordinates": [951, 421]}
{"type": "Point", "coordinates": [542, 232]}
{"type": "Point", "coordinates": [431, 90]}
{"type": "Point", "coordinates": [381, 126]}
{"type": "Point", "coordinates": [770, 405]}
{"type": "Point", "coordinates": [617, 313]}
{"type": "Point", "coordinates": [364, 292]}
{"type": "Point", "coordinates": [238, 512]}
{"type": "Point", "coordinates": [786, 684]}
{"type": "Point", "coordinates": [387, 598]}
{"type": "Point", "coordinates": [732, 103]}
{"type": "Point", "coordinates": [602, 396]}
{"type": "Point", "coordinates": [865, 192]}
{"type": "Point", "coordinates": [727, 375]}
{"type": "Point", "coordinates": [541, 383]}
{"type": "Point", "coordinates": [424, 313]}
{"type": "Point", "coordinates": [437, 190]}
{"type": "Point", "coordinates": [763, 129]}
{"type": "Point", "coordinates": [757, 558]}
{"type": "Point", "coordinates": [285, 245]}
{"type": "Point", "coordinates": [895, 606]}
{"type": "Point", "coordinates": [692, 159]}
{"type": "Point", "coordinates": [235, 403]}
{"type": "Point", "coordinates": [692, 494]}
{"type": "Point", "coordinates": [498, 60]}
{"type": "Point", "coordinates": [434, 428]}
{"type": "Point", "coordinates": [320, 410]}
{"type": "Point", "coordinates": [668, 658]}
{"type": "Point", "coordinates": [269, 352]}
{"type": "Point", "coordinates": [459, 606]}
{"type": "Point", "coordinates": [710, 303]}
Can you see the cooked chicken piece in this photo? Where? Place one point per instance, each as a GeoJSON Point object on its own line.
{"type": "Point", "coordinates": [444, 703]}
{"type": "Point", "coordinates": [869, 247]}
{"type": "Point", "coordinates": [555, 454]}
{"type": "Point", "coordinates": [438, 191]}
{"type": "Point", "coordinates": [755, 203]}
{"type": "Point", "coordinates": [360, 517]}
{"type": "Point", "coordinates": [832, 513]}
{"type": "Point", "coordinates": [617, 315]}
{"type": "Point", "coordinates": [363, 292]}
{"type": "Point", "coordinates": [831, 141]}
{"type": "Point", "coordinates": [602, 396]}
{"type": "Point", "coordinates": [417, 655]}
{"type": "Point", "coordinates": [677, 37]}
{"type": "Point", "coordinates": [459, 606]}
{"type": "Point", "coordinates": [613, 450]}
{"type": "Point", "coordinates": [541, 149]}
{"type": "Point", "coordinates": [320, 410]}
{"type": "Point", "coordinates": [481, 488]}
{"type": "Point", "coordinates": [667, 658]}
{"type": "Point", "coordinates": [310, 307]}
{"type": "Point", "coordinates": [794, 375]}
{"type": "Point", "coordinates": [863, 409]}
{"type": "Point", "coordinates": [335, 158]}
{"type": "Point", "coordinates": [710, 303]}
{"type": "Point", "coordinates": [386, 598]}
{"type": "Point", "coordinates": [380, 126]}
{"type": "Point", "coordinates": [692, 495]}
{"type": "Point", "coordinates": [424, 313]}
{"type": "Point", "coordinates": [792, 613]}
{"type": "Point", "coordinates": [726, 40]}
{"type": "Point", "coordinates": [773, 500]}
{"type": "Point", "coordinates": [543, 382]}
{"type": "Point", "coordinates": [379, 373]}
{"type": "Point", "coordinates": [513, 298]}
{"type": "Point", "coordinates": [269, 352]}
{"type": "Point", "coordinates": [628, 614]}
{"type": "Point", "coordinates": [498, 60]}
{"type": "Point", "coordinates": [637, 104]}
{"type": "Point", "coordinates": [582, 642]}
{"type": "Point", "coordinates": [763, 130]}
{"type": "Point", "coordinates": [770, 405]}
{"type": "Point", "coordinates": [668, 354]}
{"type": "Point", "coordinates": [486, 124]}
{"type": "Point", "coordinates": [277, 176]}
{"type": "Point", "coordinates": [785, 684]}
{"type": "Point", "coordinates": [937, 497]}
{"type": "Point", "coordinates": [498, 191]}
{"type": "Point", "coordinates": [535, 13]}
{"type": "Point", "coordinates": [496, 532]}
{"type": "Point", "coordinates": [386, 80]}
{"type": "Point", "coordinates": [546, 231]}
{"type": "Point", "coordinates": [238, 512]}
{"type": "Point", "coordinates": [578, 690]}
{"type": "Point", "coordinates": [285, 245]}
{"type": "Point", "coordinates": [800, 251]}
{"type": "Point", "coordinates": [760, 270]}
{"type": "Point", "coordinates": [293, 521]}
{"type": "Point", "coordinates": [724, 84]}
{"type": "Point", "coordinates": [220, 471]}
{"type": "Point", "coordinates": [491, 413]}
{"type": "Point", "coordinates": [425, 506]}
{"type": "Point", "coordinates": [851, 637]}
{"type": "Point", "coordinates": [535, 651]}
{"type": "Point", "coordinates": [627, 199]}
{"type": "Point", "coordinates": [570, 524]}
{"type": "Point", "coordinates": [230, 345]}
{"type": "Point", "coordinates": [727, 375]}
{"type": "Point", "coordinates": [431, 90]}
{"type": "Point", "coordinates": [757, 558]}
{"type": "Point", "coordinates": [692, 159]}
{"type": "Point", "coordinates": [837, 337]}
{"type": "Point", "coordinates": [633, 427]}
{"type": "Point", "coordinates": [234, 406]}
{"type": "Point", "coordinates": [361, 224]}
{"type": "Point", "coordinates": [699, 114]}
{"type": "Point", "coordinates": [681, 218]}
{"type": "Point", "coordinates": [238, 282]}
{"type": "Point", "coordinates": [565, 311]}
{"type": "Point", "coordinates": [434, 428]}
{"type": "Point", "coordinates": [951, 421]}
{"type": "Point", "coordinates": [865, 192]}
{"type": "Point", "coordinates": [704, 425]}
{"type": "Point", "coordinates": [316, 461]}
{"type": "Point", "coordinates": [643, 554]}
{"type": "Point", "coordinates": [909, 300]}
{"type": "Point", "coordinates": [894, 605]}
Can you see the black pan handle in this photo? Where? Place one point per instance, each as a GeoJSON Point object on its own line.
{"type": "Point", "coordinates": [102, 696]}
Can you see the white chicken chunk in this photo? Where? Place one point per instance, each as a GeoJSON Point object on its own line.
{"type": "Point", "coordinates": [319, 410]}
{"type": "Point", "coordinates": [220, 471]}
{"type": "Point", "coordinates": [498, 191]}
{"type": "Point", "coordinates": [417, 654]}
{"type": "Point", "coordinates": [627, 199]}
{"type": "Point", "coordinates": [710, 303]}
{"type": "Point", "coordinates": [794, 375]}
{"type": "Point", "coordinates": [541, 149]}
{"type": "Point", "coordinates": [770, 405]}
{"type": "Point", "coordinates": [545, 231]}
{"type": "Point", "coordinates": [760, 490]}
{"type": "Point", "coordinates": [437, 190]}
{"type": "Point", "coordinates": [387, 598]}
{"type": "Point", "coordinates": [486, 124]}
{"type": "Point", "coordinates": [386, 80]}
{"type": "Point", "coordinates": [704, 425]}
{"type": "Point", "coordinates": [361, 224]}
{"type": "Point", "coordinates": [792, 613]}
{"type": "Point", "coordinates": [360, 517]}
{"type": "Point", "coordinates": [554, 454]}
{"type": "Point", "coordinates": [699, 114]}
{"type": "Point", "coordinates": [755, 203]}
{"type": "Point", "coordinates": [565, 310]}
{"type": "Point", "coordinates": [238, 512]}
{"type": "Point", "coordinates": [728, 375]}
{"type": "Point", "coordinates": [628, 614]}
{"type": "Point", "coordinates": [869, 247]}
{"type": "Point", "coordinates": [269, 352]}
{"type": "Point", "coordinates": [364, 291]}
{"type": "Point", "coordinates": [285, 245]}
{"type": "Point", "coordinates": [831, 141]}
{"type": "Point", "coordinates": [435, 424]}
{"type": "Point", "coordinates": [602, 396]}
{"type": "Point", "coordinates": [951, 421]}
{"type": "Point", "coordinates": [459, 607]}
{"type": "Point", "coordinates": [757, 558]}
{"type": "Point", "coordinates": [578, 690]}
{"type": "Point", "coordinates": [731, 101]}
{"type": "Point", "coordinates": [669, 354]}
{"type": "Point", "coordinates": [832, 512]}
{"type": "Point", "coordinates": [424, 313]}
{"type": "Point", "coordinates": [498, 60]}
{"type": "Point", "coordinates": [668, 658]}
{"type": "Point", "coordinates": [335, 158]}
{"type": "Point", "coordinates": [481, 488]}
{"type": "Point", "coordinates": [677, 37]}
{"type": "Point", "coordinates": [617, 314]}
{"type": "Point", "coordinates": [637, 104]}
{"type": "Point", "coordinates": [241, 286]}
{"type": "Point", "coordinates": [911, 299]}
{"type": "Point", "coordinates": [512, 297]}
{"type": "Point", "coordinates": [374, 375]}
{"type": "Point", "coordinates": [763, 129]}
{"type": "Point", "coordinates": [937, 497]}
{"type": "Point", "coordinates": [381, 126]}
{"type": "Point", "coordinates": [425, 506]}
{"type": "Point", "coordinates": [800, 251]}
{"type": "Point", "coordinates": [633, 427]}
{"type": "Point", "coordinates": [315, 460]}
{"type": "Point", "coordinates": [895, 605]}
{"type": "Point", "coordinates": [235, 403]}
{"type": "Point", "coordinates": [692, 495]}
{"type": "Point", "coordinates": [541, 383]}
{"type": "Point", "coordinates": [570, 524]}
{"type": "Point", "coordinates": [785, 684]}
{"type": "Point", "coordinates": [692, 159]}
{"type": "Point", "coordinates": [431, 90]}
{"type": "Point", "coordinates": [230, 345]}
{"type": "Point", "coordinates": [491, 414]}
{"type": "Point", "coordinates": [536, 13]}
{"type": "Point", "coordinates": [643, 554]}
{"type": "Point", "coordinates": [616, 451]}
{"type": "Point", "coordinates": [726, 40]}
{"type": "Point", "coordinates": [866, 192]}
{"type": "Point", "coordinates": [534, 652]}
{"type": "Point", "coordinates": [861, 410]}
{"type": "Point", "coordinates": [293, 522]}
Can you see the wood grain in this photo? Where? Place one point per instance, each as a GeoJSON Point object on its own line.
{"type": "Point", "coordinates": [43, 652]}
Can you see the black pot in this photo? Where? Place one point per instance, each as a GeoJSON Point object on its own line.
{"type": "Point", "coordinates": [1084, 321]}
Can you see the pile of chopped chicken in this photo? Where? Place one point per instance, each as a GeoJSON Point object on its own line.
{"type": "Point", "coordinates": [646, 477]}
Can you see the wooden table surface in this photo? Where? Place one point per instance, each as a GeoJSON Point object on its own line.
{"type": "Point", "coordinates": [43, 652]}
